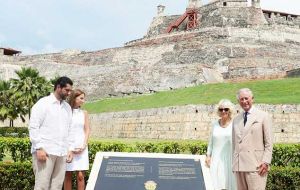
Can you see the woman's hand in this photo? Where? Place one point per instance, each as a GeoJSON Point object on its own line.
{"type": "Point", "coordinates": [79, 150]}
{"type": "Point", "coordinates": [69, 157]}
{"type": "Point", "coordinates": [84, 146]}
{"type": "Point", "coordinates": [207, 161]}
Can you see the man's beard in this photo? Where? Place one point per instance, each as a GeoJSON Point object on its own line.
{"type": "Point", "coordinates": [63, 96]}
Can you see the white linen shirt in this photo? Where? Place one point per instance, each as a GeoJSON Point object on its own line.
{"type": "Point", "coordinates": [50, 126]}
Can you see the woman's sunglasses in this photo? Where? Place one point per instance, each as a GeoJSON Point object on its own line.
{"type": "Point", "coordinates": [223, 109]}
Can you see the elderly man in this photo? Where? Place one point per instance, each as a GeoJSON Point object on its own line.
{"type": "Point", "coordinates": [252, 144]}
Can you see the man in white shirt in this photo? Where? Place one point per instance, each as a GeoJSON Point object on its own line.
{"type": "Point", "coordinates": [51, 136]}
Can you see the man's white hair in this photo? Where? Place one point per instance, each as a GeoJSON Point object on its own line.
{"type": "Point", "coordinates": [246, 90]}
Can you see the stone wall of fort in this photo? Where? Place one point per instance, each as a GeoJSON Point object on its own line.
{"type": "Point", "coordinates": [176, 60]}
{"type": "Point", "coordinates": [226, 13]}
{"type": "Point", "coordinates": [186, 122]}
{"type": "Point", "coordinates": [233, 41]}
{"type": "Point", "coordinates": [182, 122]}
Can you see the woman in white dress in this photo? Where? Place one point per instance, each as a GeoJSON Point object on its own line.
{"type": "Point", "coordinates": [80, 162]}
{"type": "Point", "coordinates": [219, 151]}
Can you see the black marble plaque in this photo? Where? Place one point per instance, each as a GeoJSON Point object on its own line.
{"type": "Point", "coordinates": [136, 173]}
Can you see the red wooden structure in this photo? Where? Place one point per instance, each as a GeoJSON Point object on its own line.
{"type": "Point", "coordinates": [191, 15]}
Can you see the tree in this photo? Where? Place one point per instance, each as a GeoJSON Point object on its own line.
{"type": "Point", "coordinates": [4, 97]}
{"type": "Point", "coordinates": [54, 79]}
{"type": "Point", "coordinates": [10, 108]}
{"type": "Point", "coordinates": [17, 96]}
{"type": "Point", "coordinates": [29, 88]}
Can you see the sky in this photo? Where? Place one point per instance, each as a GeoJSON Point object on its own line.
{"type": "Point", "coordinates": [48, 26]}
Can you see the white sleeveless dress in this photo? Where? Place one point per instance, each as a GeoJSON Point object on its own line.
{"type": "Point", "coordinates": [80, 161]}
{"type": "Point", "coordinates": [220, 149]}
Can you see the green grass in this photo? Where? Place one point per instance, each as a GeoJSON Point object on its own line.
{"type": "Point", "coordinates": [283, 91]}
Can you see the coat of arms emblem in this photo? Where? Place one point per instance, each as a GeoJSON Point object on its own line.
{"type": "Point", "coordinates": [150, 185]}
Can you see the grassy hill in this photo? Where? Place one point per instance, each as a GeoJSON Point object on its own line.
{"type": "Point", "coordinates": [283, 91]}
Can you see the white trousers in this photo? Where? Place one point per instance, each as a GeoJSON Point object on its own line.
{"type": "Point", "coordinates": [49, 175]}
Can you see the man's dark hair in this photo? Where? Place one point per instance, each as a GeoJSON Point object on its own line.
{"type": "Point", "coordinates": [62, 82]}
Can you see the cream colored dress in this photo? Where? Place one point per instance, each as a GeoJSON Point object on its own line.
{"type": "Point", "coordinates": [80, 161]}
{"type": "Point", "coordinates": [220, 149]}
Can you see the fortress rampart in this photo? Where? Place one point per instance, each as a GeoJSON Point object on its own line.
{"type": "Point", "coordinates": [186, 122]}
{"type": "Point", "coordinates": [183, 122]}
{"type": "Point", "coordinates": [232, 41]}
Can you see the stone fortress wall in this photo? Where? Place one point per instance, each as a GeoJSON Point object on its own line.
{"type": "Point", "coordinates": [190, 122]}
{"type": "Point", "coordinates": [227, 13]}
{"type": "Point", "coordinates": [186, 122]}
{"type": "Point", "coordinates": [232, 42]}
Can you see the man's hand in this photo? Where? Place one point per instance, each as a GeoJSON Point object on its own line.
{"type": "Point", "coordinates": [69, 157]}
{"type": "Point", "coordinates": [263, 169]}
{"type": "Point", "coordinates": [207, 161]}
{"type": "Point", "coordinates": [41, 155]}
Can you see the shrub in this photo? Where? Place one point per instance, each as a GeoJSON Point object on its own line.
{"type": "Point", "coordinates": [287, 178]}
{"type": "Point", "coordinates": [19, 149]}
{"type": "Point", "coordinates": [286, 155]}
{"type": "Point", "coordinates": [2, 149]}
{"type": "Point", "coordinates": [14, 132]}
{"type": "Point", "coordinates": [19, 176]}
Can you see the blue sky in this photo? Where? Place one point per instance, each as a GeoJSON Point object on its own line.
{"type": "Point", "coordinates": [41, 26]}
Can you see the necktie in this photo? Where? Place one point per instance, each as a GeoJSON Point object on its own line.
{"type": "Point", "coordinates": [245, 118]}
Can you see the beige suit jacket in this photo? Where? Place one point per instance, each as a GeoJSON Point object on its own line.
{"type": "Point", "coordinates": [252, 144]}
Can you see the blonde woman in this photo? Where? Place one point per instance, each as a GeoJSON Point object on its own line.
{"type": "Point", "coordinates": [80, 123]}
{"type": "Point", "coordinates": [219, 151]}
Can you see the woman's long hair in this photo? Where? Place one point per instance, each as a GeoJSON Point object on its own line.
{"type": "Point", "coordinates": [74, 94]}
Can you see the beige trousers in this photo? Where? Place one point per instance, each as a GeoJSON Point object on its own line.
{"type": "Point", "coordinates": [250, 181]}
{"type": "Point", "coordinates": [49, 175]}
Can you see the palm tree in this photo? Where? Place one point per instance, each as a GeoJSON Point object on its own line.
{"type": "Point", "coordinates": [4, 97]}
{"type": "Point", "coordinates": [29, 88]}
{"type": "Point", "coordinates": [9, 106]}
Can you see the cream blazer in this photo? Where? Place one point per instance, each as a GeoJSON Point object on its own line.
{"type": "Point", "coordinates": [252, 144]}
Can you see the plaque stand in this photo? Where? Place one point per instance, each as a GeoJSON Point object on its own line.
{"type": "Point", "coordinates": [149, 171]}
